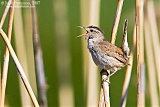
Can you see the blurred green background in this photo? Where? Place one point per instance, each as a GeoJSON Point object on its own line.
{"type": "Point", "coordinates": [46, 23]}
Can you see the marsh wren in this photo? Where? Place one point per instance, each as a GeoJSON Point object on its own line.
{"type": "Point", "coordinates": [104, 54]}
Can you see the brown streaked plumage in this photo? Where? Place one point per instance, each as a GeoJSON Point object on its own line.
{"type": "Point", "coordinates": [104, 54]}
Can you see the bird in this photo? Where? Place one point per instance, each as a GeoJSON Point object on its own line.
{"type": "Point", "coordinates": [105, 54]}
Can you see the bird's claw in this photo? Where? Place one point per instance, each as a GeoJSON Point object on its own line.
{"type": "Point", "coordinates": [106, 80]}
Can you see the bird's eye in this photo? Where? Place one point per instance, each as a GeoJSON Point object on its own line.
{"type": "Point", "coordinates": [91, 30]}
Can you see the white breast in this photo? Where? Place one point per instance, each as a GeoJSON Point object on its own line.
{"type": "Point", "coordinates": [90, 43]}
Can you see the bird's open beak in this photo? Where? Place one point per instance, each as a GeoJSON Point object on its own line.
{"type": "Point", "coordinates": [81, 27]}
{"type": "Point", "coordinates": [82, 34]}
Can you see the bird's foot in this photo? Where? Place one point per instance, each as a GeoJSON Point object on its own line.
{"type": "Point", "coordinates": [106, 80]}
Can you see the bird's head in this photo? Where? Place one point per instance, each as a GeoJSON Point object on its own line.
{"type": "Point", "coordinates": [92, 32]}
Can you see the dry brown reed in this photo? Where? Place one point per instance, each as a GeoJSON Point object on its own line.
{"type": "Point", "coordinates": [140, 57]}
{"type": "Point", "coordinates": [113, 38]}
{"type": "Point", "coordinates": [39, 60]}
{"type": "Point", "coordinates": [6, 57]}
{"type": "Point", "coordinates": [152, 53]}
{"type": "Point", "coordinates": [151, 66]}
{"type": "Point", "coordinates": [17, 63]}
{"type": "Point", "coordinates": [150, 8]}
{"type": "Point", "coordinates": [20, 69]}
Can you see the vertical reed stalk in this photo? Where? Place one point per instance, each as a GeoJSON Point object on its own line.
{"type": "Point", "coordinates": [155, 36]}
{"type": "Point", "coordinates": [39, 60]}
{"type": "Point", "coordinates": [92, 89]}
{"type": "Point", "coordinates": [105, 93]}
{"type": "Point", "coordinates": [151, 66]}
{"type": "Point", "coordinates": [140, 62]}
{"type": "Point", "coordinates": [1, 24]}
{"type": "Point", "coordinates": [113, 38]}
{"type": "Point", "coordinates": [101, 99]}
{"type": "Point", "coordinates": [85, 22]}
{"type": "Point", "coordinates": [6, 56]}
{"type": "Point", "coordinates": [27, 19]}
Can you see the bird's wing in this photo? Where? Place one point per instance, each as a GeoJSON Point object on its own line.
{"type": "Point", "coordinates": [112, 51]}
